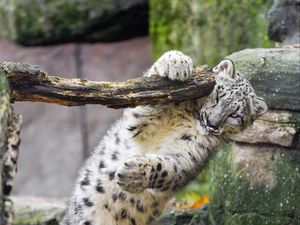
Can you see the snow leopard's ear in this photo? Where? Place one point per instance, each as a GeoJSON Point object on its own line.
{"type": "Point", "coordinates": [225, 68]}
{"type": "Point", "coordinates": [258, 106]}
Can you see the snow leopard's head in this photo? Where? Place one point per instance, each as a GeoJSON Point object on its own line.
{"type": "Point", "coordinates": [232, 105]}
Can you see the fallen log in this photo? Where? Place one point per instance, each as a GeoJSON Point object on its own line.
{"type": "Point", "coordinates": [29, 83]}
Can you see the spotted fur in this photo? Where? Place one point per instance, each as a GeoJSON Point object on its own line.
{"type": "Point", "coordinates": [152, 152]}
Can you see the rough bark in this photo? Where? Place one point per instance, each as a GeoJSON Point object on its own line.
{"type": "Point", "coordinates": [10, 163]}
{"type": "Point", "coordinates": [9, 142]}
{"type": "Point", "coordinates": [29, 83]}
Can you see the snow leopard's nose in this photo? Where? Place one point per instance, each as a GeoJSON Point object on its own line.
{"type": "Point", "coordinates": [215, 118]}
{"type": "Point", "coordinates": [211, 124]}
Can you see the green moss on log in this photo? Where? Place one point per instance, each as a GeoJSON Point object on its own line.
{"type": "Point", "coordinates": [208, 30]}
{"type": "Point", "coordinates": [4, 117]}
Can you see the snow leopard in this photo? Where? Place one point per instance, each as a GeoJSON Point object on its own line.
{"type": "Point", "coordinates": [152, 152]}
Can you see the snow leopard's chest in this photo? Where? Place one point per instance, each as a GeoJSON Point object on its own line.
{"type": "Point", "coordinates": [164, 135]}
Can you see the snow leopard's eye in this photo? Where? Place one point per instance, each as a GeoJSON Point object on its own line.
{"type": "Point", "coordinates": [235, 115]}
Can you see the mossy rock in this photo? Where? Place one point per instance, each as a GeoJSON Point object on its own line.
{"type": "Point", "coordinates": [38, 211]}
{"type": "Point", "coordinates": [274, 127]}
{"type": "Point", "coordinates": [274, 73]}
{"type": "Point", "coordinates": [255, 185]}
{"type": "Point", "coordinates": [34, 22]}
{"type": "Point", "coordinates": [208, 30]}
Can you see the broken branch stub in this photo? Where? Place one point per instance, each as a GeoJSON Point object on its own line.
{"type": "Point", "coordinates": [29, 83]}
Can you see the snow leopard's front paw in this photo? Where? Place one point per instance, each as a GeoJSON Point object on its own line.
{"type": "Point", "coordinates": [172, 64]}
{"type": "Point", "coordinates": [133, 175]}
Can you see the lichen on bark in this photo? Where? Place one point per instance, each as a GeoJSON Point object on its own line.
{"type": "Point", "coordinates": [9, 142]}
{"type": "Point", "coordinates": [4, 113]}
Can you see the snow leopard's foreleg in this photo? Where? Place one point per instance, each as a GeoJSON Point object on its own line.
{"type": "Point", "coordinates": [172, 64]}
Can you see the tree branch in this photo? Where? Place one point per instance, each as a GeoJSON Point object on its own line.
{"type": "Point", "coordinates": [29, 83]}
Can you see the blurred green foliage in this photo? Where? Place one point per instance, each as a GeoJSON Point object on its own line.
{"type": "Point", "coordinates": [196, 189]}
{"type": "Point", "coordinates": [208, 30]}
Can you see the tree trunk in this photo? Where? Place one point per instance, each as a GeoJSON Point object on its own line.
{"type": "Point", "coordinates": [9, 142]}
